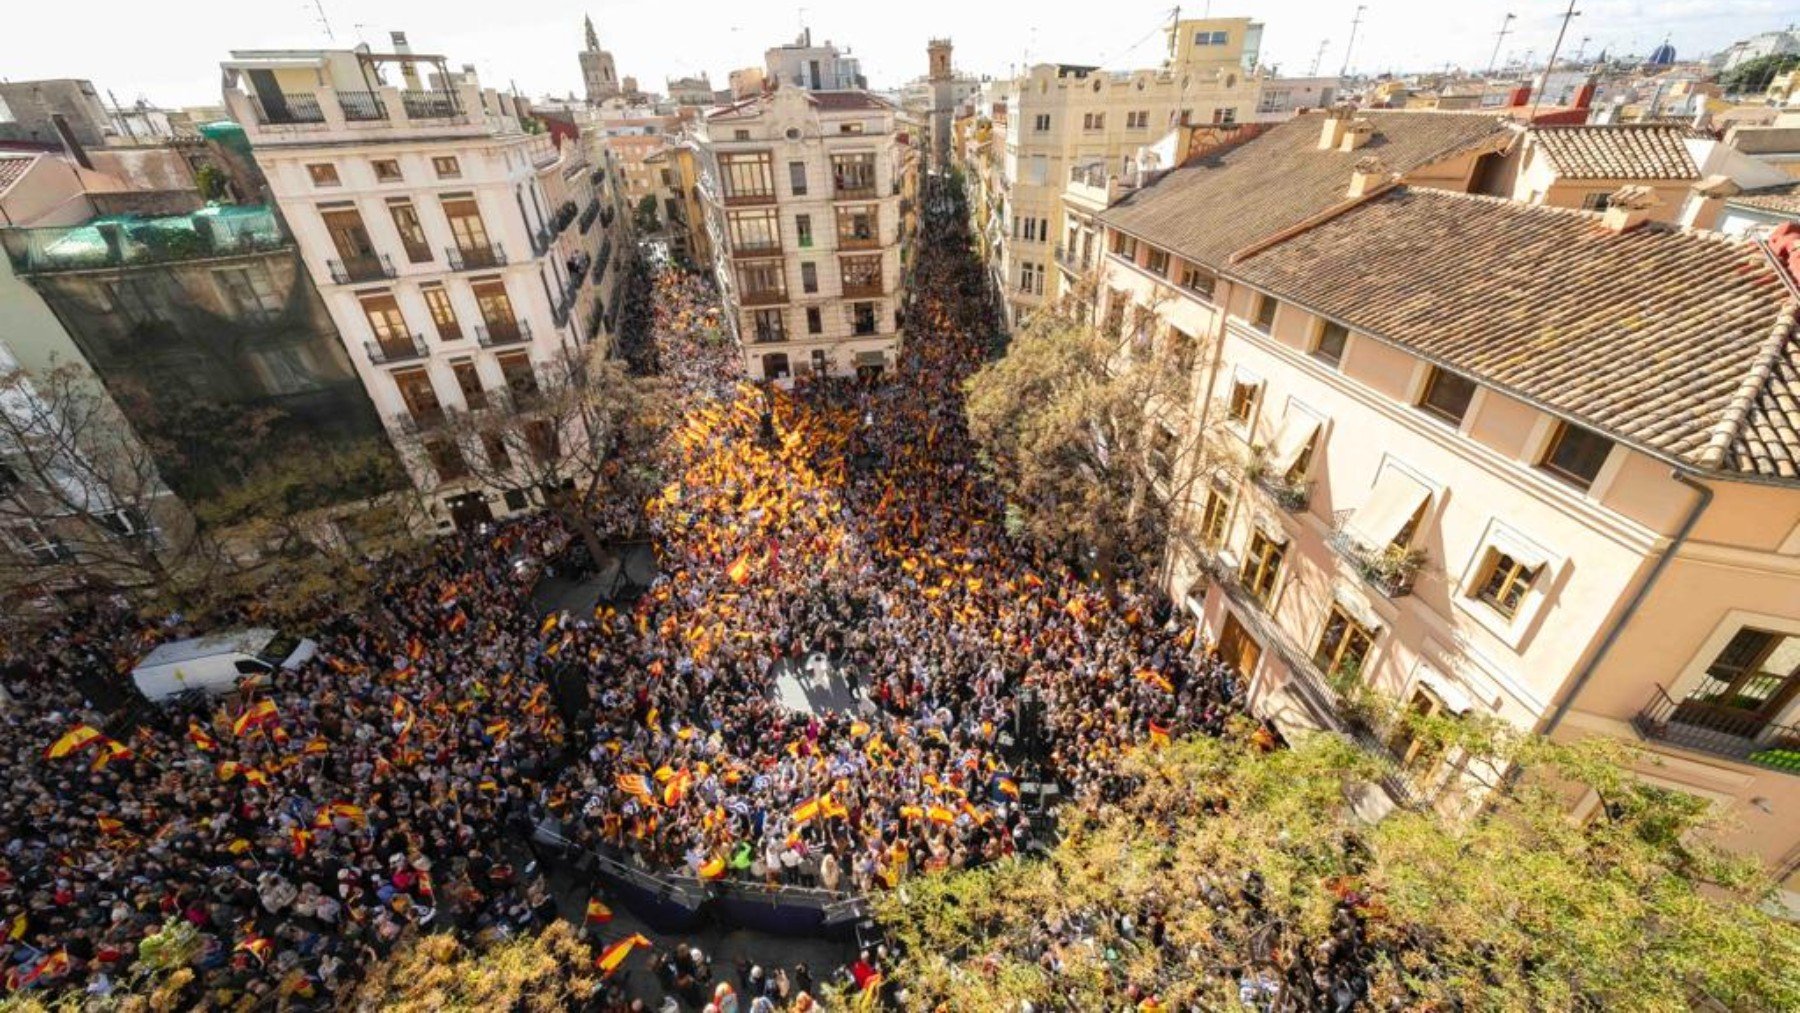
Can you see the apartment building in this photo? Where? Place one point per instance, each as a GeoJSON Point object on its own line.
{"type": "Point", "coordinates": [808, 199]}
{"type": "Point", "coordinates": [800, 64]}
{"type": "Point", "coordinates": [1066, 120]}
{"type": "Point", "coordinates": [1479, 457]}
{"type": "Point", "coordinates": [459, 254]}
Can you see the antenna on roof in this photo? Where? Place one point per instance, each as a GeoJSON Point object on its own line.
{"type": "Point", "coordinates": [1319, 57]}
{"type": "Point", "coordinates": [1549, 66]}
{"type": "Point", "coordinates": [1348, 46]}
{"type": "Point", "coordinates": [324, 22]}
{"type": "Point", "coordinates": [1499, 38]}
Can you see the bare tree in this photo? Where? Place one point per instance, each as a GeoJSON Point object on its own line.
{"type": "Point", "coordinates": [81, 498]}
{"type": "Point", "coordinates": [564, 433]}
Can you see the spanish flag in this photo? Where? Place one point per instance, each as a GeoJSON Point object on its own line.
{"type": "Point", "coordinates": [16, 930]}
{"type": "Point", "coordinates": [1008, 787]}
{"type": "Point", "coordinates": [499, 729]}
{"type": "Point", "coordinates": [316, 747]}
{"type": "Point", "coordinates": [228, 770]}
{"type": "Point", "coordinates": [549, 624]}
{"type": "Point", "coordinates": [939, 814]}
{"type": "Point", "coordinates": [75, 739]}
{"type": "Point", "coordinates": [614, 955]}
{"type": "Point", "coordinates": [676, 789]}
{"type": "Point", "coordinates": [713, 869]}
{"type": "Point", "coordinates": [202, 741]}
{"type": "Point", "coordinates": [301, 840]}
{"type": "Point", "coordinates": [598, 913]}
{"type": "Point", "coordinates": [807, 812]}
{"type": "Point", "coordinates": [109, 826]}
{"type": "Point", "coordinates": [109, 751]}
{"type": "Point", "coordinates": [1159, 734]}
{"type": "Point", "coordinates": [832, 808]}
{"type": "Point", "coordinates": [255, 716]}
{"type": "Point", "coordinates": [739, 571]}
{"type": "Point", "coordinates": [415, 648]}
{"type": "Point", "coordinates": [458, 620]}
{"type": "Point", "coordinates": [1151, 677]}
{"type": "Point", "coordinates": [333, 810]}
{"type": "Point", "coordinates": [257, 947]}
{"type": "Point", "coordinates": [256, 777]}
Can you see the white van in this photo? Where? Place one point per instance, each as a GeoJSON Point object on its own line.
{"type": "Point", "coordinates": [214, 664]}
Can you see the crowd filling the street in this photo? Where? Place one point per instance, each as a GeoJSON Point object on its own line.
{"type": "Point", "coordinates": [322, 817]}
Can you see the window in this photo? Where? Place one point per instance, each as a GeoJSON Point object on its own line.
{"type": "Point", "coordinates": [36, 541]}
{"type": "Point", "coordinates": [862, 318]}
{"type": "Point", "coordinates": [820, 364]}
{"type": "Point", "coordinates": [1215, 518]}
{"type": "Point", "coordinates": [768, 325]}
{"type": "Point", "coordinates": [467, 228]}
{"type": "Point", "coordinates": [852, 127]}
{"type": "Point", "coordinates": [853, 175]}
{"type": "Point", "coordinates": [860, 275]}
{"type": "Point", "coordinates": [1157, 263]}
{"type": "Point", "coordinates": [1031, 278]}
{"type": "Point", "coordinates": [1042, 123]}
{"type": "Point", "coordinates": [388, 325]}
{"type": "Point", "coordinates": [1224, 117]}
{"type": "Point", "coordinates": [1125, 246]}
{"type": "Point", "coordinates": [803, 230]}
{"type": "Point", "coordinates": [1505, 584]}
{"type": "Point", "coordinates": [1333, 336]}
{"type": "Point", "coordinates": [1576, 454]}
{"type": "Point", "coordinates": [387, 170]}
{"type": "Point", "coordinates": [412, 234]}
{"type": "Point", "coordinates": [1093, 121]}
{"type": "Point", "coordinates": [494, 446]}
{"type": "Point", "coordinates": [1242, 406]}
{"type": "Point", "coordinates": [446, 460]}
{"type": "Point", "coordinates": [1596, 202]}
{"type": "Point", "coordinates": [1181, 350]}
{"type": "Point", "coordinates": [815, 321]}
{"type": "Point", "coordinates": [1415, 752]}
{"type": "Point", "coordinates": [419, 396]}
{"type": "Point", "coordinates": [323, 174]}
{"type": "Point", "coordinates": [809, 277]}
{"type": "Point", "coordinates": [1198, 280]}
{"type": "Point", "coordinates": [1137, 120]}
{"type": "Point", "coordinates": [443, 315]}
{"type": "Point", "coordinates": [446, 167]}
{"type": "Point", "coordinates": [1209, 38]}
{"type": "Point", "coordinates": [738, 135]}
{"type": "Point", "coordinates": [775, 366]}
{"type": "Point", "coordinates": [468, 380]}
{"type": "Point", "coordinates": [857, 227]}
{"type": "Point", "coordinates": [521, 377]}
{"type": "Point", "coordinates": [797, 178]}
{"type": "Point", "coordinates": [748, 178]}
{"type": "Point", "coordinates": [1264, 317]}
{"type": "Point", "coordinates": [1344, 645]}
{"type": "Point", "coordinates": [756, 231]}
{"type": "Point", "coordinates": [1447, 395]}
{"type": "Point", "coordinates": [249, 290]}
{"type": "Point", "coordinates": [348, 236]}
{"type": "Point", "coordinates": [1262, 564]}
{"type": "Point", "coordinates": [1750, 682]}
{"type": "Point", "coordinates": [496, 308]}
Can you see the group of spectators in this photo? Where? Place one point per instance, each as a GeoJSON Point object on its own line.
{"type": "Point", "coordinates": [325, 815]}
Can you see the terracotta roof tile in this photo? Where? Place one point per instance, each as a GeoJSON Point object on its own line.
{"type": "Point", "coordinates": [1682, 342]}
{"type": "Point", "coordinates": [12, 169]}
{"type": "Point", "coordinates": [1617, 151]}
{"type": "Point", "coordinates": [1279, 179]}
{"type": "Point", "coordinates": [1782, 199]}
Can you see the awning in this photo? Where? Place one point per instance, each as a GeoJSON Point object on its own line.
{"type": "Point", "coordinates": [1396, 499]}
{"type": "Point", "coordinates": [1271, 529]}
{"type": "Point", "coordinates": [1291, 440]}
{"type": "Point", "coordinates": [1455, 698]}
{"type": "Point", "coordinates": [1510, 543]}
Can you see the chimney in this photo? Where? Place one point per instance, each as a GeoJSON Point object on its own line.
{"type": "Point", "coordinates": [1370, 172]}
{"type": "Point", "coordinates": [407, 69]}
{"type": "Point", "coordinates": [1337, 118]}
{"type": "Point", "coordinates": [1628, 207]}
{"type": "Point", "coordinates": [1356, 134]}
{"type": "Point", "coordinates": [1706, 200]}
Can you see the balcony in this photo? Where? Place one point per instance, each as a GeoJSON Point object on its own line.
{"type": "Point", "coordinates": [564, 217]}
{"type": "Point", "coordinates": [600, 262]}
{"type": "Point", "coordinates": [362, 106]}
{"type": "Point", "coordinates": [387, 353]}
{"type": "Point", "coordinates": [412, 423]}
{"type": "Point", "coordinates": [763, 297]}
{"type": "Point", "coordinates": [854, 191]}
{"type": "Point", "coordinates": [765, 248]}
{"type": "Point", "coordinates": [1389, 570]}
{"type": "Point", "coordinates": [430, 105]}
{"type": "Point", "coordinates": [588, 216]}
{"type": "Point", "coordinates": [1071, 262]}
{"type": "Point", "coordinates": [855, 288]}
{"type": "Point", "coordinates": [1289, 495]}
{"type": "Point", "coordinates": [749, 198]}
{"type": "Point", "coordinates": [224, 231]}
{"type": "Point", "coordinates": [503, 333]}
{"type": "Point", "coordinates": [281, 108]}
{"type": "Point", "coordinates": [1721, 731]}
{"type": "Point", "coordinates": [855, 242]}
{"type": "Point", "coordinates": [350, 270]}
{"type": "Point", "coordinates": [475, 258]}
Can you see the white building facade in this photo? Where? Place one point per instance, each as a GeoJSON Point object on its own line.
{"type": "Point", "coordinates": [460, 255]}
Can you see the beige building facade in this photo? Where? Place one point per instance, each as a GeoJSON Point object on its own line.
{"type": "Point", "coordinates": [809, 198]}
{"type": "Point", "coordinates": [1549, 481]}
{"type": "Point", "coordinates": [459, 254]}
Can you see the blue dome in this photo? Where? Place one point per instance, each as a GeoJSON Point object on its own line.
{"type": "Point", "coordinates": [1662, 56]}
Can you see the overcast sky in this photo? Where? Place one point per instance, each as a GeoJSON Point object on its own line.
{"type": "Point", "coordinates": [168, 50]}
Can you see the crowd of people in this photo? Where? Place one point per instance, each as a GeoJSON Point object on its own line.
{"type": "Point", "coordinates": [384, 789]}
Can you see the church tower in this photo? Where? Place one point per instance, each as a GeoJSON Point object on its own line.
{"type": "Point", "coordinates": [597, 70]}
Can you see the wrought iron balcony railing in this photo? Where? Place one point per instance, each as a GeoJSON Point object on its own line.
{"type": "Point", "coordinates": [496, 335]}
{"type": "Point", "coordinates": [386, 353]}
{"type": "Point", "coordinates": [1730, 732]}
{"type": "Point", "coordinates": [350, 270]}
{"type": "Point", "coordinates": [475, 258]}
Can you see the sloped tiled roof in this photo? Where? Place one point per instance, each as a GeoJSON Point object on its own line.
{"type": "Point", "coordinates": [1682, 342]}
{"type": "Point", "coordinates": [1618, 151]}
{"type": "Point", "coordinates": [12, 169]}
{"type": "Point", "coordinates": [1279, 179]}
{"type": "Point", "coordinates": [838, 101]}
{"type": "Point", "coordinates": [1782, 199]}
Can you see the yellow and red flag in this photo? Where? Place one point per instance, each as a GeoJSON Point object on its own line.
{"type": "Point", "coordinates": [739, 571]}
{"type": "Point", "coordinates": [807, 812]}
{"type": "Point", "coordinates": [713, 869]}
{"type": "Point", "coordinates": [597, 912]}
{"type": "Point", "coordinates": [74, 740]}
{"type": "Point", "coordinates": [1159, 734]}
{"type": "Point", "coordinates": [614, 955]}
{"type": "Point", "coordinates": [201, 740]}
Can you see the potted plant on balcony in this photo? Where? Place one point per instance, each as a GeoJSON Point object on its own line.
{"type": "Point", "coordinates": [1391, 568]}
{"type": "Point", "coordinates": [1287, 493]}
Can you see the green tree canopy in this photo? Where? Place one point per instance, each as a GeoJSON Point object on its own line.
{"type": "Point", "coordinates": [1246, 870]}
